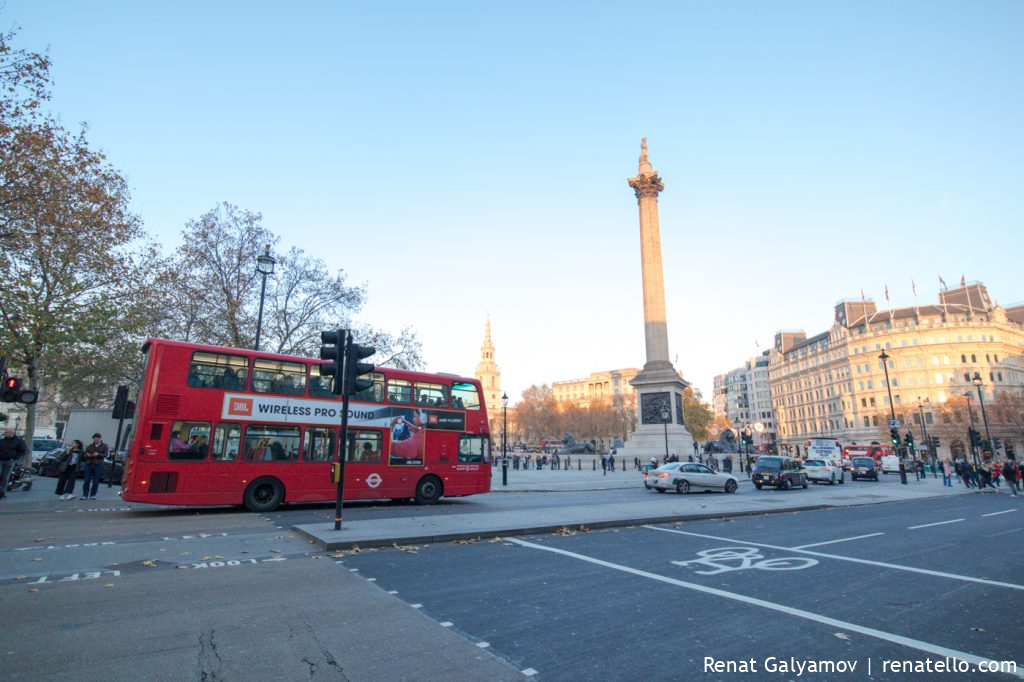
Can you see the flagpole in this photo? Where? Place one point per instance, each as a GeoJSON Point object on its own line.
{"type": "Point", "coordinates": [945, 312]}
{"type": "Point", "coordinates": [970, 306]}
{"type": "Point", "coordinates": [913, 287]}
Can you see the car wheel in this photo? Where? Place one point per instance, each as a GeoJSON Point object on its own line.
{"type": "Point", "coordinates": [647, 486]}
{"type": "Point", "coordinates": [428, 490]}
{"type": "Point", "coordinates": [842, 479]}
{"type": "Point", "coordinates": [683, 487]}
{"type": "Point", "coordinates": [805, 483]}
{"type": "Point", "coordinates": [832, 479]}
{"type": "Point", "coordinates": [786, 484]}
{"type": "Point", "coordinates": [730, 486]}
{"type": "Point", "coordinates": [263, 495]}
{"type": "Point", "coordinates": [758, 486]}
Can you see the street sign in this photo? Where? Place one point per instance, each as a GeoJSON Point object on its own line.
{"type": "Point", "coordinates": [894, 423]}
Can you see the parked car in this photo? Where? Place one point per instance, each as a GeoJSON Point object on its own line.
{"type": "Point", "coordinates": [890, 464]}
{"type": "Point", "coordinates": [42, 447]}
{"type": "Point", "coordinates": [781, 472]}
{"type": "Point", "coordinates": [825, 471]}
{"type": "Point", "coordinates": [686, 476]}
{"type": "Point", "coordinates": [50, 466]}
{"type": "Point", "coordinates": [864, 467]}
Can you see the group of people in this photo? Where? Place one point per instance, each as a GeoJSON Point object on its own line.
{"type": "Point", "coordinates": [90, 458]}
{"type": "Point", "coordinates": [987, 474]}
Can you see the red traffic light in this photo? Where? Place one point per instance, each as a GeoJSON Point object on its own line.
{"type": "Point", "coordinates": [12, 384]}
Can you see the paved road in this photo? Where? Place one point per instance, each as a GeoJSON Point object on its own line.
{"type": "Point", "coordinates": [907, 581]}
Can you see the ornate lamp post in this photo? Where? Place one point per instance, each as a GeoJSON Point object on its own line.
{"type": "Point", "coordinates": [924, 438]}
{"type": "Point", "coordinates": [981, 398]}
{"type": "Point", "coordinates": [884, 357]}
{"type": "Point", "coordinates": [264, 266]}
{"type": "Point", "coordinates": [665, 414]}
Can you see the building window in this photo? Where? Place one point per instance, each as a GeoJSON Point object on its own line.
{"type": "Point", "coordinates": [974, 358]}
{"type": "Point", "coordinates": [867, 421]}
{"type": "Point", "coordinates": [963, 358]}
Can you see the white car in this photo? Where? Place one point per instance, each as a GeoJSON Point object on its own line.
{"type": "Point", "coordinates": [891, 464]}
{"type": "Point", "coordinates": [686, 476]}
{"type": "Point", "coordinates": [825, 471]}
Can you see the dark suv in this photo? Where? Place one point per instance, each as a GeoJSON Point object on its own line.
{"type": "Point", "coordinates": [781, 472]}
{"type": "Point", "coordinates": [864, 467]}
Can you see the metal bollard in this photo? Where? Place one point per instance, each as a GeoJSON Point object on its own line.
{"type": "Point", "coordinates": [504, 471]}
{"type": "Point", "coordinates": [903, 473]}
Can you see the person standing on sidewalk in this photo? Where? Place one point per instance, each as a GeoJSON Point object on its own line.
{"type": "Point", "coordinates": [947, 474]}
{"type": "Point", "coordinates": [12, 448]}
{"type": "Point", "coordinates": [93, 461]}
{"type": "Point", "coordinates": [69, 460]}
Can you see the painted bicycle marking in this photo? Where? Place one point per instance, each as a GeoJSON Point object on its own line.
{"type": "Point", "coordinates": [726, 559]}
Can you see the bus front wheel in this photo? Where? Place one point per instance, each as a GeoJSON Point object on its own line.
{"type": "Point", "coordinates": [428, 490]}
{"type": "Point", "coordinates": [263, 495]}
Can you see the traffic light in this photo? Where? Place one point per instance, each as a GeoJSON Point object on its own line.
{"type": "Point", "coordinates": [997, 443]}
{"type": "Point", "coordinates": [355, 369]}
{"type": "Point", "coordinates": [895, 436]}
{"type": "Point", "coordinates": [333, 349]}
{"type": "Point", "coordinates": [935, 443]}
{"type": "Point", "coordinates": [974, 436]}
{"type": "Point", "coordinates": [908, 440]}
{"type": "Point", "coordinates": [14, 393]}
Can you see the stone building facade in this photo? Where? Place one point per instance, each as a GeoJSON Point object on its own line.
{"type": "Point", "coordinates": [743, 395]}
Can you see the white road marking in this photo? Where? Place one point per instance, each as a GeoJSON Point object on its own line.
{"type": "Point", "coordinates": [1006, 511]}
{"type": "Point", "coordinates": [911, 569]}
{"type": "Point", "coordinates": [447, 624]}
{"type": "Point", "coordinates": [392, 591]}
{"type": "Point", "coordinates": [483, 645]}
{"type": "Point", "coordinates": [529, 672]}
{"type": "Point", "coordinates": [416, 606]}
{"type": "Point", "coordinates": [937, 523]}
{"type": "Point", "coordinates": [371, 580]}
{"type": "Point", "coordinates": [807, 615]}
{"type": "Point", "coordinates": [832, 542]}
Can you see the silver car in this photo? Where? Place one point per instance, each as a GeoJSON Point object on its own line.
{"type": "Point", "coordinates": [686, 476]}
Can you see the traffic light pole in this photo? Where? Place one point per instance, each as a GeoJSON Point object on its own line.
{"type": "Point", "coordinates": [970, 433]}
{"type": "Point", "coordinates": [339, 502]}
{"type": "Point", "coordinates": [884, 357]}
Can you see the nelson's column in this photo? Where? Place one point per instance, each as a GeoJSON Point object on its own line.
{"type": "Point", "coordinates": [658, 386]}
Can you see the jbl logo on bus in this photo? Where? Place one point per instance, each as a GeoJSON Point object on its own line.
{"type": "Point", "coordinates": [240, 407]}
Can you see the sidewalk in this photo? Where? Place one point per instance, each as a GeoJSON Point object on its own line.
{"type": "Point", "coordinates": [645, 507]}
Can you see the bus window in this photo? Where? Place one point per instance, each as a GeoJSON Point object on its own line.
{"type": "Point", "coordinates": [189, 440]}
{"type": "Point", "coordinates": [464, 396]}
{"type": "Point", "coordinates": [432, 395]}
{"type": "Point", "coordinates": [226, 440]}
{"type": "Point", "coordinates": [399, 391]}
{"type": "Point", "coordinates": [375, 393]}
{"type": "Point", "coordinates": [364, 446]}
{"type": "Point", "coordinates": [319, 386]}
{"type": "Point", "coordinates": [266, 443]}
{"type": "Point", "coordinates": [474, 449]}
{"type": "Point", "coordinates": [275, 376]}
{"type": "Point", "coordinates": [319, 445]}
{"type": "Point", "coordinates": [218, 370]}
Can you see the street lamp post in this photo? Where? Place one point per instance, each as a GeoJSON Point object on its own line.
{"type": "Point", "coordinates": [970, 413]}
{"type": "Point", "coordinates": [981, 398]}
{"type": "Point", "coordinates": [884, 357]}
{"type": "Point", "coordinates": [264, 266]}
{"type": "Point", "coordinates": [665, 414]}
{"type": "Point", "coordinates": [504, 441]}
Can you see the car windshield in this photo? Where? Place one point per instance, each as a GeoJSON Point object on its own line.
{"type": "Point", "coordinates": [863, 462]}
{"type": "Point", "coordinates": [669, 467]}
{"type": "Point", "coordinates": [44, 444]}
{"type": "Point", "coordinates": [771, 463]}
{"type": "Point", "coordinates": [815, 463]}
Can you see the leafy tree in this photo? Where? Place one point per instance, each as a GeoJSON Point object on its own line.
{"type": "Point", "coordinates": [697, 414]}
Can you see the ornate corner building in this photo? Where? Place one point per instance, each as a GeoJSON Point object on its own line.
{"type": "Point", "coordinates": [833, 384]}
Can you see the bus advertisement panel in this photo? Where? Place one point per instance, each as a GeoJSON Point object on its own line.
{"type": "Point", "coordinates": [227, 426]}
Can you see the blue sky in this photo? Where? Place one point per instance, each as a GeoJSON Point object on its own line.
{"type": "Point", "coordinates": [478, 152]}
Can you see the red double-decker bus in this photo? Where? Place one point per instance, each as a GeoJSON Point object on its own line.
{"type": "Point", "coordinates": [221, 426]}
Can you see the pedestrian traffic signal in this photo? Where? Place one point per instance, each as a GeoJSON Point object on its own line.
{"type": "Point", "coordinates": [895, 436]}
{"type": "Point", "coordinates": [333, 349]}
{"type": "Point", "coordinates": [14, 393]}
{"type": "Point", "coordinates": [974, 436]}
{"type": "Point", "coordinates": [908, 440]}
{"type": "Point", "coordinates": [355, 369]}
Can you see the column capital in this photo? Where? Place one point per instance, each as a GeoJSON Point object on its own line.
{"type": "Point", "coordinates": [646, 185]}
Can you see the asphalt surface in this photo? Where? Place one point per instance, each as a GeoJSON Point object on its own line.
{"type": "Point", "coordinates": [124, 591]}
{"type": "Point", "coordinates": [613, 604]}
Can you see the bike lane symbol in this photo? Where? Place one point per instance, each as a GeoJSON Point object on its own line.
{"type": "Point", "coordinates": [726, 559]}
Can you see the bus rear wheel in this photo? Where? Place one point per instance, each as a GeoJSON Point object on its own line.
{"type": "Point", "coordinates": [263, 495]}
{"type": "Point", "coordinates": [429, 490]}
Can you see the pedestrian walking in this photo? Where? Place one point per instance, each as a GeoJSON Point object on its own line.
{"type": "Point", "coordinates": [95, 454]}
{"type": "Point", "coordinates": [997, 470]}
{"type": "Point", "coordinates": [972, 473]}
{"type": "Point", "coordinates": [12, 448]}
{"type": "Point", "coordinates": [1012, 474]}
{"type": "Point", "coordinates": [611, 461]}
{"type": "Point", "coordinates": [69, 461]}
{"type": "Point", "coordinates": [947, 474]}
